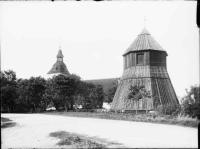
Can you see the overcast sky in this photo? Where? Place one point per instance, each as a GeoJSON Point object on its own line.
{"type": "Point", "coordinates": [95, 35]}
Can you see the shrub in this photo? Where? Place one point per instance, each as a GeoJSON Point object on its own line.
{"type": "Point", "coordinates": [191, 102]}
{"type": "Point", "coordinates": [167, 109]}
{"type": "Point", "coordinates": [183, 117]}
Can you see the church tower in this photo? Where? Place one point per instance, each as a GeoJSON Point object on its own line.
{"type": "Point", "coordinates": [145, 65]}
{"type": "Point", "coordinates": [59, 67]}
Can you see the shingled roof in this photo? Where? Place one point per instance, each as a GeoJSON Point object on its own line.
{"type": "Point", "coordinates": [144, 41]}
{"type": "Point", "coordinates": [59, 66]}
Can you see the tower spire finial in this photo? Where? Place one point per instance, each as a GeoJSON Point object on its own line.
{"type": "Point", "coordinates": [60, 42]}
{"type": "Point", "coordinates": [144, 21]}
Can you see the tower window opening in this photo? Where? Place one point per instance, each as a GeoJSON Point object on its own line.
{"type": "Point", "coordinates": [140, 59]}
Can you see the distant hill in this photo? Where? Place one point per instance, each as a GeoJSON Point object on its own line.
{"type": "Point", "coordinates": [106, 83]}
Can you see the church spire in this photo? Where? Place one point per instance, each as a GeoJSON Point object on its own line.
{"type": "Point", "coordinates": [60, 55]}
{"type": "Point", "coordinates": [59, 67]}
{"type": "Point", "coordinates": [60, 43]}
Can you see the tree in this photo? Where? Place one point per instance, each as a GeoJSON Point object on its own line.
{"type": "Point", "coordinates": [50, 94]}
{"type": "Point", "coordinates": [8, 90]}
{"type": "Point", "coordinates": [36, 89]}
{"type": "Point", "coordinates": [191, 102]}
{"type": "Point", "coordinates": [74, 83]}
{"type": "Point", "coordinates": [64, 89]}
{"type": "Point", "coordinates": [99, 96]}
{"type": "Point", "coordinates": [89, 95]}
{"type": "Point", "coordinates": [83, 94]}
{"type": "Point", "coordinates": [138, 92]}
{"type": "Point", "coordinates": [95, 97]}
{"type": "Point", "coordinates": [23, 102]}
{"type": "Point", "coordinates": [111, 92]}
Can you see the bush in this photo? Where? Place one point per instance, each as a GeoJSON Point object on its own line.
{"type": "Point", "coordinates": [167, 109]}
{"type": "Point", "coordinates": [192, 109]}
{"type": "Point", "coordinates": [191, 102]}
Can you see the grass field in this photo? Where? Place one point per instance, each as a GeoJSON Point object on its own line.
{"type": "Point", "coordinates": [181, 120]}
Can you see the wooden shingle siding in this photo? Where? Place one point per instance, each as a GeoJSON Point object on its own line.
{"type": "Point", "coordinates": [127, 61]}
{"type": "Point", "coordinates": [168, 95]}
{"type": "Point", "coordinates": [131, 59]}
{"type": "Point", "coordinates": [121, 96]}
{"type": "Point", "coordinates": [158, 72]}
{"type": "Point", "coordinates": [155, 95]}
{"type": "Point", "coordinates": [154, 78]}
{"type": "Point", "coordinates": [145, 64]}
{"type": "Point", "coordinates": [124, 62]}
{"type": "Point", "coordinates": [158, 58]}
{"type": "Point", "coordinates": [145, 71]}
{"type": "Point", "coordinates": [135, 72]}
{"type": "Point", "coordinates": [149, 57]}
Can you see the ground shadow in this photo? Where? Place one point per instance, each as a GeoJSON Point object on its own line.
{"type": "Point", "coordinates": [74, 140]}
{"type": "Point", "coordinates": [7, 123]}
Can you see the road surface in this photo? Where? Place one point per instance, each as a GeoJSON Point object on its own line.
{"type": "Point", "coordinates": [32, 130]}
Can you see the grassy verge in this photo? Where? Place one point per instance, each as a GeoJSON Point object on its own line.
{"type": "Point", "coordinates": [6, 123]}
{"type": "Point", "coordinates": [74, 140]}
{"type": "Point", "coordinates": [181, 120]}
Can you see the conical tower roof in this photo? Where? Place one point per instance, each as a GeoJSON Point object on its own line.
{"type": "Point", "coordinates": [144, 41]}
{"type": "Point", "coordinates": [59, 66]}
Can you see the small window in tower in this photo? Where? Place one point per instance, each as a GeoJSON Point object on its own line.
{"type": "Point", "coordinates": [140, 58]}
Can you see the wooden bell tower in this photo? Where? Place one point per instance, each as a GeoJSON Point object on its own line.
{"type": "Point", "coordinates": [145, 64]}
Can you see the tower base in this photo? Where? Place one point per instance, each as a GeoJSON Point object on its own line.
{"type": "Point", "coordinates": [155, 79]}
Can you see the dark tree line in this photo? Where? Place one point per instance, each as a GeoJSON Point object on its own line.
{"type": "Point", "coordinates": [36, 93]}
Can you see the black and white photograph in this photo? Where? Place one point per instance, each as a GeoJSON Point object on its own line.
{"type": "Point", "coordinates": [99, 74]}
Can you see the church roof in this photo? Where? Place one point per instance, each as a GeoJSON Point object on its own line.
{"type": "Point", "coordinates": [59, 67]}
{"type": "Point", "coordinates": [60, 54]}
{"type": "Point", "coordinates": [144, 41]}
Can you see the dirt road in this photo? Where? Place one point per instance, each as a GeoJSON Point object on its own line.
{"type": "Point", "coordinates": [32, 130]}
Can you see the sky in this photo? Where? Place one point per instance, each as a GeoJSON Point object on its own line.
{"type": "Point", "coordinates": [94, 35]}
